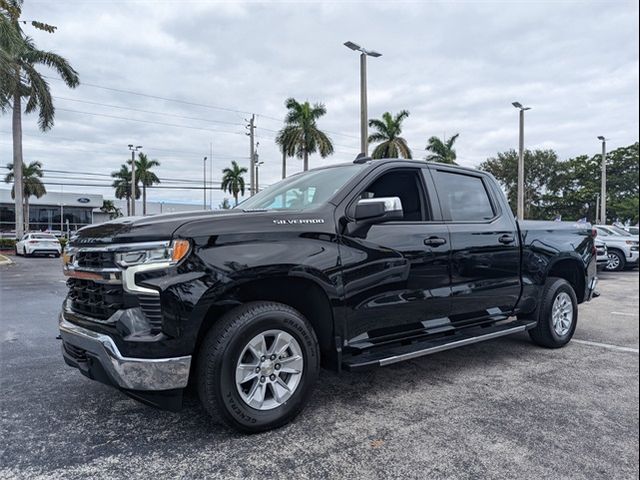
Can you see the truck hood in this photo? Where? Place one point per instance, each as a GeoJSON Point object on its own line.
{"type": "Point", "coordinates": [143, 229]}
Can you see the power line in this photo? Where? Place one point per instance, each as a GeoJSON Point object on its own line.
{"type": "Point", "coordinates": [149, 111]}
{"type": "Point", "coordinates": [150, 122]}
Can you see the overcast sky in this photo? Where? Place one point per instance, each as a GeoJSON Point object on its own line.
{"type": "Point", "coordinates": [456, 66]}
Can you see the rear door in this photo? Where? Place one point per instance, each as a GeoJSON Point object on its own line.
{"type": "Point", "coordinates": [485, 246]}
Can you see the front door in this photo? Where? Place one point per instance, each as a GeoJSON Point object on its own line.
{"type": "Point", "coordinates": [396, 274]}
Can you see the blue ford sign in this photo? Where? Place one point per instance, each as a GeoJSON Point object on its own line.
{"type": "Point", "coordinates": [83, 200]}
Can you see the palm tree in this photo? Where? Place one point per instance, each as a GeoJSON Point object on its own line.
{"type": "Point", "coordinates": [20, 80]}
{"type": "Point", "coordinates": [233, 181]}
{"type": "Point", "coordinates": [300, 135]}
{"type": "Point", "coordinates": [110, 208]}
{"type": "Point", "coordinates": [442, 152]}
{"type": "Point", "coordinates": [387, 131]}
{"type": "Point", "coordinates": [146, 176]}
{"type": "Point", "coordinates": [32, 186]}
{"type": "Point", "coordinates": [122, 184]}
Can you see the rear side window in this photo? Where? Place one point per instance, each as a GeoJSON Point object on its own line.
{"type": "Point", "coordinates": [464, 197]}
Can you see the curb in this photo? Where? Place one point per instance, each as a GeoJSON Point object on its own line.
{"type": "Point", "coordinates": [5, 260]}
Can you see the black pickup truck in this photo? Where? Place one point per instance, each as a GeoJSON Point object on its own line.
{"type": "Point", "coordinates": [350, 266]}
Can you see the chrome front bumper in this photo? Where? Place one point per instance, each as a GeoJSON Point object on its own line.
{"type": "Point", "coordinates": [150, 374]}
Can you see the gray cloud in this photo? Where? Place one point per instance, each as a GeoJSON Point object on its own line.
{"type": "Point", "coordinates": [457, 66]}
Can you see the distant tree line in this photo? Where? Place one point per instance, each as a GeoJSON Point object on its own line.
{"type": "Point", "coordinates": [569, 188]}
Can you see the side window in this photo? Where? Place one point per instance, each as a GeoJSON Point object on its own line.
{"type": "Point", "coordinates": [405, 184]}
{"type": "Point", "coordinates": [465, 197]}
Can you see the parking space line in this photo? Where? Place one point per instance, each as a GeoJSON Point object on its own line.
{"type": "Point", "coordinates": [606, 345]}
{"type": "Point", "coordinates": [625, 314]}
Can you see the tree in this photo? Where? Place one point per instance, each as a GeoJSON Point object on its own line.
{"type": "Point", "coordinates": [122, 184]}
{"type": "Point", "coordinates": [442, 152]}
{"type": "Point", "coordinates": [110, 208]}
{"type": "Point", "coordinates": [300, 135]}
{"type": "Point", "coordinates": [233, 181]}
{"type": "Point", "coordinates": [19, 79]}
{"type": "Point", "coordinates": [577, 184]}
{"type": "Point", "coordinates": [224, 205]}
{"type": "Point", "coordinates": [146, 176]}
{"type": "Point", "coordinates": [387, 131]}
{"type": "Point", "coordinates": [32, 186]}
{"type": "Point", "coordinates": [541, 166]}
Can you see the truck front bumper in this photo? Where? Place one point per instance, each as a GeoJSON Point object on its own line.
{"type": "Point", "coordinates": [97, 357]}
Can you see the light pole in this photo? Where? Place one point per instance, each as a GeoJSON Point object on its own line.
{"type": "Point", "coordinates": [204, 183]}
{"type": "Point", "coordinates": [363, 92]}
{"type": "Point", "coordinates": [603, 188]}
{"type": "Point", "coordinates": [520, 208]}
{"type": "Point", "coordinates": [257, 163]}
{"type": "Point", "coordinates": [133, 177]}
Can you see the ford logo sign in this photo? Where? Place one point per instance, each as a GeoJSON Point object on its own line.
{"type": "Point", "coordinates": [84, 200]}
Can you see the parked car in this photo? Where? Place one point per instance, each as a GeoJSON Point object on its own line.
{"type": "Point", "coordinates": [632, 230]}
{"type": "Point", "coordinates": [351, 266]}
{"type": "Point", "coordinates": [602, 256]}
{"type": "Point", "coordinates": [38, 244]}
{"type": "Point", "coordinates": [622, 248]}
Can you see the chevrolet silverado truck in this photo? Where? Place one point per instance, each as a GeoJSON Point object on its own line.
{"type": "Point", "coordinates": [346, 267]}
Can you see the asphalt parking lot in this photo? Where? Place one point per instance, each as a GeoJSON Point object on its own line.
{"type": "Point", "coordinates": [500, 409]}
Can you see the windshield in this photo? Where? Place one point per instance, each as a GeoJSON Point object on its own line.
{"type": "Point", "coordinates": [304, 191]}
{"type": "Point", "coordinates": [620, 231]}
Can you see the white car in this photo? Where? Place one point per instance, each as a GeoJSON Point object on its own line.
{"type": "Point", "coordinates": [622, 248]}
{"type": "Point", "coordinates": [38, 244]}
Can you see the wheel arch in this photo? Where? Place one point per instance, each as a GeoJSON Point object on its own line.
{"type": "Point", "coordinates": [301, 293]}
{"type": "Point", "coordinates": [572, 270]}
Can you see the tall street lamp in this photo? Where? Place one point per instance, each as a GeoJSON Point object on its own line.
{"type": "Point", "coordinates": [204, 184]}
{"type": "Point", "coordinates": [133, 177]}
{"type": "Point", "coordinates": [363, 92]}
{"type": "Point", "coordinates": [603, 188]}
{"type": "Point", "coordinates": [520, 208]}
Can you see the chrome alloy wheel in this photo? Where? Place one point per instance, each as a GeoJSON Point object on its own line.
{"type": "Point", "coordinates": [613, 262]}
{"type": "Point", "coordinates": [269, 369]}
{"type": "Point", "coordinates": [562, 314]}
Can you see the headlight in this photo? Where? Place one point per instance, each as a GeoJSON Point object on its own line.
{"type": "Point", "coordinates": [170, 253]}
{"type": "Point", "coordinates": [631, 242]}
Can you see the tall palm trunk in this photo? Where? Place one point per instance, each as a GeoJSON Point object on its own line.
{"type": "Point", "coordinates": [306, 161]}
{"type": "Point", "coordinates": [284, 164]}
{"type": "Point", "coordinates": [144, 199]}
{"type": "Point", "coordinates": [235, 197]}
{"type": "Point", "coordinates": [26, 213]}
{"type": "Point", "coordinates": [17, 163]}
{"type": "Point", "coordinates": [128, 199]}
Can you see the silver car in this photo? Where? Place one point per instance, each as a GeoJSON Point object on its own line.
{"type": "Point", "coordinates": [622, 247]}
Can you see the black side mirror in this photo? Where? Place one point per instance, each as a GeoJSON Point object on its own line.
{"type": "Point", "coordinates": [378, 210]}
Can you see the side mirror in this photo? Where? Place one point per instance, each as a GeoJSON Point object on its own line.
{"type": "Point", "coordinates": [377, 210]}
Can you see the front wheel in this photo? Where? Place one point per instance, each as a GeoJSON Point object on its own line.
{"type": "Point", "coordinates": [257, 366]}
{"type": "Point", "coordinates": [557, 314]}
{"type": "Point", "coordinates": [616, 261]}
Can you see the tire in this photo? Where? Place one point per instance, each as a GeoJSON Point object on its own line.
{"type": "Point", "coordinates": [17, 254]}
{"type": "Point", "coordinates": [226, 345]}
{"type": "Point", "coordinates": [556, 291]}
{"type": "Point", "coordinates": [617, 262]}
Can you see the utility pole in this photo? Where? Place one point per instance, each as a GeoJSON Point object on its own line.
{"type": "Point", "coordinates": [364, 121]}
{"type": "Point", "coordinates": [257, 164]}
{"type": "Point", "coordinates": [603, 188]}
{"type": "Point", "coordinates": [597, 208]}
{"type": "Point", "coordinates": [211, 176]}
{"type": "Point", "coordinates": [204, 183]}
{"type": "Point", "coordinates": [133, 177]}
{"type": "Point", "coordinates": [520, 208]}
{"type": "Point", "coordinates": [252, 152]}
{"type": "Point", "coordinates": [284, 163]}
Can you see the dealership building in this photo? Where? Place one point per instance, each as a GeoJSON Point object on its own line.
{"type": "Point", "coordinates": [69, 211]}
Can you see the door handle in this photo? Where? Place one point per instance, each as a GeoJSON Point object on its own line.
{"type": "Point", "coordinates": [434, 241]}
{"type": "Point", "coordinates": [506, 239]}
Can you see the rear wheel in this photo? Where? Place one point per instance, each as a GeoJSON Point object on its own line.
{"type": "Point", "coordinates": [616, 261]}
{"type": "Point", "coordinates": [257, 366]}
{"type": "Point", "coordinates": [557, 314]}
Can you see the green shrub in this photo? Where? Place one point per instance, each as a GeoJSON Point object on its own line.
{"type": "Point", "coordinates": [7, 243]}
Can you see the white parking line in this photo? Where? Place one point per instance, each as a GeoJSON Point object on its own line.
{"type": "Point", "coordinates": [625, 314]}
{"type": "Point", "coordinates": [606, 345]}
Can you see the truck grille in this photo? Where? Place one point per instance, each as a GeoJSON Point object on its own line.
{"type": "Point", "coordinates": [97, 300]}
{"type": "Point", "coordinates": [95, 260]}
